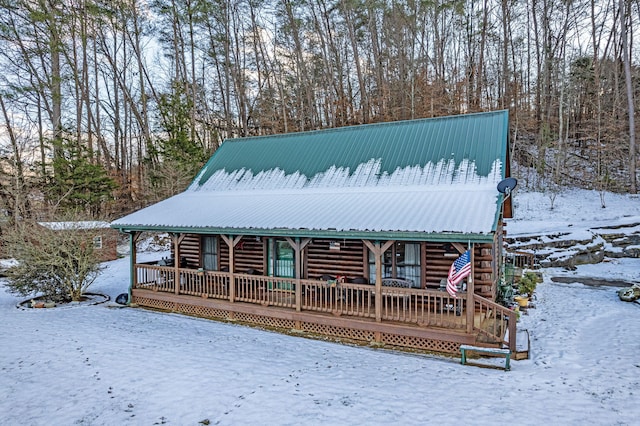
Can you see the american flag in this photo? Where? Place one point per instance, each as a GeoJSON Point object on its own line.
{"type": "Point", "coordinates": [460, 268]}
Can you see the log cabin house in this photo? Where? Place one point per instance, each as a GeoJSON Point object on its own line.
{"type": "Point", "coordinates": [347, 233]}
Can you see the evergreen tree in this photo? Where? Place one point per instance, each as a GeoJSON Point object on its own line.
{"type": "Point", "coordinates": [179, 156]}
{"type": "Point", "coordinates": [78, 184]}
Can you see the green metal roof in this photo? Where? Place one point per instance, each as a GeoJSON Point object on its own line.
{"type": "Point", "coordinates": [429, 179]}
{"type": "Point", "coordinates": [480, 137]}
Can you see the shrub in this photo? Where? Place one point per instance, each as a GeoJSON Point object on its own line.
{"type": "Point", "coordinates": [528, 283]}
{"type": "Point", "coordinates": [58, 264]}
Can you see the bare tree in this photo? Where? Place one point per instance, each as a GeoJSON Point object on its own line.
{"type": "Point", "coordinates": [59, 264]}
{"type": "Point", "coordinates": [15, 194]}
{"type": "Point", "coordinates": [100, 72]}
{"type": "Point", "coordinates": [626, 58]}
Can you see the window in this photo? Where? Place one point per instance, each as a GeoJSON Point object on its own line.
{"type": "Point", "coordinates": [281, 263]}
{"type": "Point", "coordinates": [408, 262]}
{"type": "Point", "coordinates": [210, 253]}
{"type": "Point", "coordinates": [97, 242]}
{"type": "Point", "coordinates": [402, 260]}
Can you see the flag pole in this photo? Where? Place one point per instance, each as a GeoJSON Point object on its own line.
{"type": "Point", "coordinates": [470, 291]}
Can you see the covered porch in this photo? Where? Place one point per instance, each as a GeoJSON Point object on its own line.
{"type": "Point", "coordinates": [411, 318]}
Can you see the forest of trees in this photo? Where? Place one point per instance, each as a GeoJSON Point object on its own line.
{"type": "Point", "coordinates": [109, 105]}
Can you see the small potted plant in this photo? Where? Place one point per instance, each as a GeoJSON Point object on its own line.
{"type": "Point", "coordinates": [526, 286]}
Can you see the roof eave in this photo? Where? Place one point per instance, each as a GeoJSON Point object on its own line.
{"type": "Point", "coordinates": [307, 233]}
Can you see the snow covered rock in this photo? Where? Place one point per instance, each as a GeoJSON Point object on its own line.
{"type": "Point", "coordinates": [629, 294]}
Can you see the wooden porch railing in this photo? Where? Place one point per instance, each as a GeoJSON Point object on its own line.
{"type": "Point", "coordinates": [425, 307]}
{"type": "Point", "coordinates": [267, 291]}
{"type": "Point", "coordinates": [494, 321]}
{"type": "Point", "coordinates": [153, 277]}
{"type": "Point", "coordinates": [521, 259]}
{"type": "Point", "coordinates": [204, 284]}
{"type": "Point", "coordinates": [404, 305]}
{"type": "Point", "coordinates": [338, 298]}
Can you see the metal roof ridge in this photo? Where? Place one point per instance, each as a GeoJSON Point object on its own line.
{"type": "Point", "coordinates": [363, 126]}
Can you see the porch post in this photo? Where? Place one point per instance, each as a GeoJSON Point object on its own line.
{"type": "Point", "coordinates": [471, 307]}
{"type": "Point", "coordinates": [133, 281]}
{"type": "Point", "coordinates": [378, 250]}
{"type": "Point", "coordinates": [298, 246]}
{"type": "Point", "coordinates": [378, 255]}
{"type": "Point", "coordinates": [176, 262]}
{"type": "Point", "coordinates": [513, 332]}
{"type": "Point", "coordinates": [232, 281]}
{"type": "Point", "coordinates": [231, 242]}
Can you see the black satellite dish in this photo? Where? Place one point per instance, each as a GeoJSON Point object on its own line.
{"type": "Point", "coordinates": [507, 185]}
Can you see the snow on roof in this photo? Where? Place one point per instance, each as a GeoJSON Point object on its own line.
{"type": "Point", "coordinates": [436, 198]}
{"type": "Point", "coordinates": [367, 174]}
{"type": "Point", "coordinates": [88, 224]}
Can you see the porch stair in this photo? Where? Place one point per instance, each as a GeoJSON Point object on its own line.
{"type": "Point", "coordinates": [522, 342]}
{"type": "Point", "coordinates": [485, 337]}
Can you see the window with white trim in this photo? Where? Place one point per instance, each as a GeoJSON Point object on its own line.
{"type": "Point", "coordinates": [401, 260]}
{"type": "Point", "coordinates": [97, 242]}
{"type": "Point", "coordinates": [210, 253]}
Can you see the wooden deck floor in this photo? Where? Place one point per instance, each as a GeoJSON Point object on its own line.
{"type": "Point", "coordinates": [360, 329]}
{"type": "Point", "coordinates": [406, 317]}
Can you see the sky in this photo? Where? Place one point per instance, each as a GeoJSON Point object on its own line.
{"type": "Point", "coordinates": [105, 364]}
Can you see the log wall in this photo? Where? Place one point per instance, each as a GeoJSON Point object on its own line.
{"type": "Point", "coordinates": [249, 255]}
{"type": "Point", "coordinates": [350, 260]}
{"type": "Point", "coordinates": [190, 250]}
{"type": "Point", "coordinates": [485, 285]}
{"type": "Point", "coordinates": [439, 258]}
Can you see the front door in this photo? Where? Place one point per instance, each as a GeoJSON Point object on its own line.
{"type": "Point", "coordinates": [281, 261]}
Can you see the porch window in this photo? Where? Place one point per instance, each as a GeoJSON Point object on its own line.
{"type": "Point", "coordinates": [210, 253]}
{"type": "Point", "coordinates": [402, 260]}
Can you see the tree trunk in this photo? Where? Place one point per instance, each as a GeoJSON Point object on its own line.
{"type": "Point", "coordinates": [626, 57]}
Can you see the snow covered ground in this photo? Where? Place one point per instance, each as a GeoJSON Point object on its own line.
{"type": "Point", "coordinates": [105, 365]}
{"type": "Point", "coordinates": [572, 209]}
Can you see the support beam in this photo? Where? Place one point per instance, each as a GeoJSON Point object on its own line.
{"type": "Point", "coordinates": [461, 249]}
{"type": "Point", "coordinates": [231, 242]}
{"type": "Point", "coordinates": [378, 249]}
{"type": "Point", "coordinates": [133, 282]}
{"type": "Point", "coordinates": [177, 239]}
{"type": "Point", "coordinates": [471, 307]}
{"type": "Point", "coordinates": [298, 246]}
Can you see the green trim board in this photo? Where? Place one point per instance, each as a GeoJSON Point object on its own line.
{"type": "Point", "coordinates": [400, 236]}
